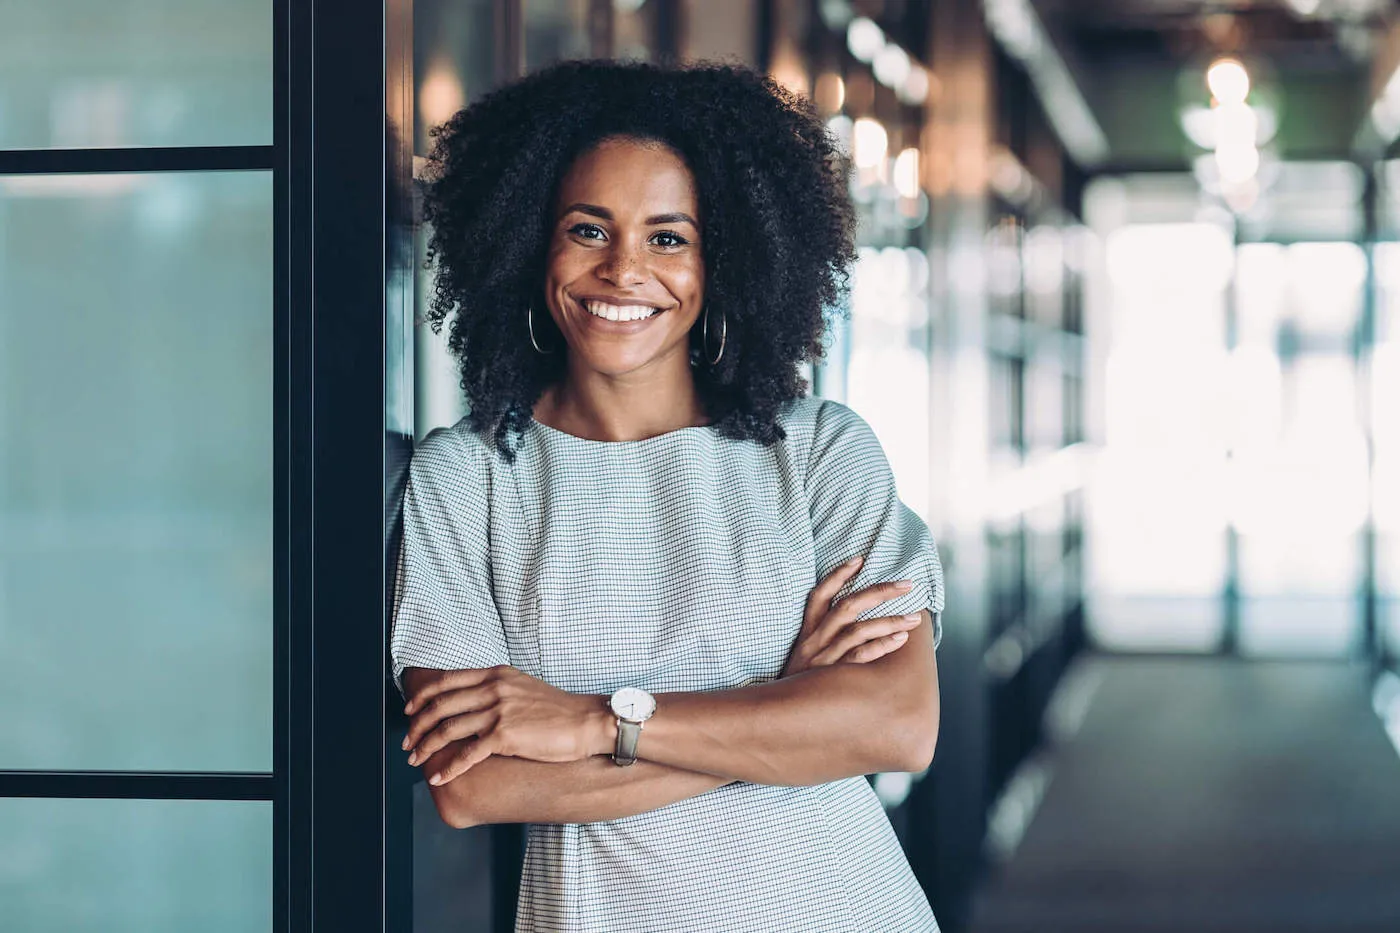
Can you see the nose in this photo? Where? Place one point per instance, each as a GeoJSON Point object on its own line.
{"type": "Point", "coordinates": [623, 266]}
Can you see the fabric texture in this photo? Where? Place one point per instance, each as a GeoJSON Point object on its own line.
{"type": "Point", "coordinates": [682, 562]}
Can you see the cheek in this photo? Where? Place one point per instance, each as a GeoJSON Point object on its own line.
{"type": "Point", "coordinates": [686, 281]}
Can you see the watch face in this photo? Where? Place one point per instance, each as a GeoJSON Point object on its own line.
{"type": "Point", "coordinates": [633, 704]}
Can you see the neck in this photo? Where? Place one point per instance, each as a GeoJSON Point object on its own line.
{"type": "Point", "coordinates": [598, 407]}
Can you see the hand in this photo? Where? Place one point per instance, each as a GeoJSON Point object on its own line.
{"type": "Point", "coordinates": [830, 633]}
{"type": "Point", "coordinates": [500, 711]}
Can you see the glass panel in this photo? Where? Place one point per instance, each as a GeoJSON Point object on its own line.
{"type": "Point", "coordinates": [136, 347]}
{"type": "Point", "coordinates": [135, 865]}
{"type": "Point", "coordinates": [76, 74]}
{"type": "Point", "coordinates": [555, 30]}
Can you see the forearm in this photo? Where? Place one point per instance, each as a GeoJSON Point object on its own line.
{"type": "Point", "coordinates": [517, 790]}
{"type": "Point", "coordinates": [822, 725]}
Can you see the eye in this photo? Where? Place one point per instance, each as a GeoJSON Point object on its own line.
{"type": "Point", "coordinates": [671, 238]}
{"type": "Point", "coordinates": [587, 231]}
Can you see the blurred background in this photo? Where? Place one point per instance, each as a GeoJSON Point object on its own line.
{"type": "Point", "coordinates": [1126, 319]}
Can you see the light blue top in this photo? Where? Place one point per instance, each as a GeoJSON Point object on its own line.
{"type": "Point", "coordinates": [681, 562]}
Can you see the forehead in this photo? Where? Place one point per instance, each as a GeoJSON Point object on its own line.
{"type": "Point", "coordinates": [623, 173]}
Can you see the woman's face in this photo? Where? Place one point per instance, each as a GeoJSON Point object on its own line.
{"type": "Point", "coordinates": [626, 244]}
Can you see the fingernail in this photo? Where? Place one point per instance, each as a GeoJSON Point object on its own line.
{"type": "Point", "coordinates": [913, 618]}
{"type": "Point", "coordinates": [408, 710]}
{"type": "Point", "coordinates": [405, 745]}
{"type": "Point", "coordinates": [854, 561]}
{"type": "Point", "coordinates": [900, 636]}
{"type": "Point", "coordinates": [435, 779]}
{"type": "Point", "coordinates": [904, 585]}
{"type": "Point", "coordinates": [413, 759]}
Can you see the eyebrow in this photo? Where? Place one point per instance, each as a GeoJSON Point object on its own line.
{"type": "Point", "coordinates": [675, 217]}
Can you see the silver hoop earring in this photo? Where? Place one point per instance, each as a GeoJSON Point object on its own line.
{"type": "Point", "coordinates": [723, 336]}
{"type": "Point", "coordinates": [530, 324]}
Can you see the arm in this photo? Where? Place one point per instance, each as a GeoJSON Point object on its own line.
{"type": "Point", "coordinates": [517, 790]}
{"type": "Point", "coordinates": [828, 723]}
{"type": "Point", "coordinates": [588, 789]}
{"type": "Point", "coordinates": [818, 725]}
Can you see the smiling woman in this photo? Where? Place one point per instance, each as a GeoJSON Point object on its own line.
{"type": "Point", "coordinates": [652, 599]}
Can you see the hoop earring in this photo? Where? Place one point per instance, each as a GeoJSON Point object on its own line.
{"type": "Point", "coordinates": [723, 336]}
{"type": "Point", "coordinates": [530, 324]}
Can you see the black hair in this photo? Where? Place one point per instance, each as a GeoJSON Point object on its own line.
{"type": "Point", "coordinates": [778, 237]}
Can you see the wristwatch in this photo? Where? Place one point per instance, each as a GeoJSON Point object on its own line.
{"type": "Point", "coordinates": [632, 707]}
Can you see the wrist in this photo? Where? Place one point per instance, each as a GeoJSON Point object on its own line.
{"type": "Point", "coordinates": [600, 727]}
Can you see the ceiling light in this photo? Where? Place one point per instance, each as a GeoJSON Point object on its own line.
{"type": "Point", "coordinates": [1228, 81]}
{"type": "Point", "coordinates": [864, 39]}
{"type": "Point", "coordinates": [891, 66]}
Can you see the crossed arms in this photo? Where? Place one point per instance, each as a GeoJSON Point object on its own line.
{"type": "Point", "coordinates": [500, 746]}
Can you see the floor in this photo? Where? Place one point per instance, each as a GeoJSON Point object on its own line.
{"type": "Point", "coordinates": [1212, 795]}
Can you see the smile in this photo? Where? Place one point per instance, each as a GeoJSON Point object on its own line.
{"type": "Point", "coordinates": [612, 312]}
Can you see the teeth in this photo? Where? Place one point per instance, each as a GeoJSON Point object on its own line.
{"type": "Point", "coordinates": [619, 312]}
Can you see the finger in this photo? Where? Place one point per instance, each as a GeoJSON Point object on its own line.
{"type": "Point", "coordinates": [446, 705]}
{"type": "Point", "coordinates": [847, 610]}
{"type": "Point", "coordinates": [825, 591]}
{"type": "Point", "coordinates": [858, 633]}
{"type": "Point", "coordinates": [874, 650]}
{"type": "Point", "coordinates": [869, 598]}
{"type": "Point", "coordinates": [452, 729]}
{"type": "Point", "coordinates": [450, 680]}
{"type": "Point", "coordinates": [472, 753]}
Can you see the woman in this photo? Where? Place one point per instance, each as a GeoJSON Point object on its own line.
{"type": "Point", "coordinates": [625, 613]}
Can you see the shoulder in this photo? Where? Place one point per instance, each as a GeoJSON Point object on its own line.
{"type": "Point", "coordinates": [451, 454]}
{"type": "Point", "coordinates": [817, 425]}
{"type": "Point", "coordinates": [829, 437]}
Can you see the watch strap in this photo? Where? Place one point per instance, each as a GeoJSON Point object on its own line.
{"type": "Point", "coordinates": [627, 735]}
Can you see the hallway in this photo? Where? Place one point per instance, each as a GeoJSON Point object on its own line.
{"type": "Point", "coordinates": [1212, 795]}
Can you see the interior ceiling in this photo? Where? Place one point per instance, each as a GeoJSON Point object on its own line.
{"type": "Point", "coordinates": [1336, 33]}
{"type": "Point", "coordinates": [1133, 59]}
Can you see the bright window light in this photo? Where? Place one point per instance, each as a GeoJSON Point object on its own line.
{"type": "Point", "coordinates": [869, 143]}
{"type": "Point", "coordinates": [906, 173]}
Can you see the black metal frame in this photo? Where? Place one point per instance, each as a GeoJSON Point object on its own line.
{"type": "Point", "coordinates": [330, 761]}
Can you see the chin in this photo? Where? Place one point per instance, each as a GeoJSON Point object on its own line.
{"type": "Point", "coordinates": [616, 361]}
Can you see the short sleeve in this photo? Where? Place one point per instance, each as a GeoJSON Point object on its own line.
{"type": "Point", "coordinates": [445, 615]}
{"type": "Point", "coordinates": [856, 510]}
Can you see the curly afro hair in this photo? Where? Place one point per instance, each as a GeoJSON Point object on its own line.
{"type": "Point", "coordinates": [778, 228]}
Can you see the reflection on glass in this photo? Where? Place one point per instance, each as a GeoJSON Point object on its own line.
{"type": "Point", "coordinates": [135, 866]}
{"type": "Point", "coordinates": [77, 74]}
{"type": "Point", "coordinates": [136, 487]}
{"type": "Point", "coordinates": [454, 60]}
{"type": "Point", "coordinates": [555, 30]}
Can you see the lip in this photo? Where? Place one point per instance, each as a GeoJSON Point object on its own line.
{"type": "Point", "coordinates": [619, 300]}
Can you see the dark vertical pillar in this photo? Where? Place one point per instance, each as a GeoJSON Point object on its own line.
{"type": "Point", "coordinates": [947, 810]}
{"type": "Point", "coordinates": [668, 24]}
{"type": "Point", "coordinates": [1372, 643]}
{"type": "Point", "coordinates": [510, 40]}
{"type": "Point", "coordinates": [341, 604]}
{"type": "Point", "coordinates": [399, 777]}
